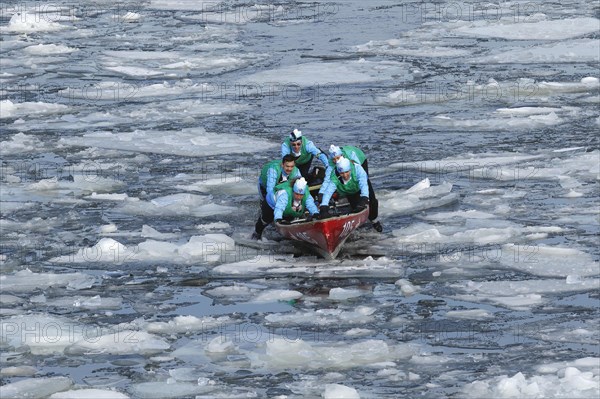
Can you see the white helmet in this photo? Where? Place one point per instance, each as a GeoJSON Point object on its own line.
{"type": "Point", "coordinates": [342, 165]}
{"type": "Point", "coordinates": [295, 135]}
{"type": "Point", "coordinates": [300, 186]}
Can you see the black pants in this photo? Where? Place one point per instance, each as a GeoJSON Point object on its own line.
{"type": "Point", "coordinates": [365, 166]}
{"type": "Point", "coordinates": [373, 203]}
{"type": "Point", "coordinates": [266, 212]}
{"type": "Point", "coordinates": [264, 219]}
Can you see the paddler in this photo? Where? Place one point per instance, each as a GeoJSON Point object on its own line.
{"type": "Point", "coordinates": [273, 173]}
{"type": "Point", "coordinates": [350, 152]}
{"type": "Point", "coordinates": [357, 156]}
{"type": "Point", "coordinates": [303, 150]}
{"type": "Point", "coordinates": [293, 200]}
{"type": "Point", "coordinates": [350, 180]}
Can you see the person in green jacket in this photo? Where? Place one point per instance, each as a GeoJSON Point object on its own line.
{"type": "Point", "coordinates": [304, 150]}
{"type": "Point", "coordinates": [293, 201]}
{"type": "Point", "coordinates": [350, 180]}
{"type": "Point", "coordinates": [352, 153]}
{"type": "Point", "coordinates": [357, 157]}
{"type": "Point", "coordinates": [272, 173]}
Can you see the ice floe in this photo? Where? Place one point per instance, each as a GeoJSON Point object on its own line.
{"type": "Point", "coordinates": [31, 22]}
{"type": "Point", "coordinates": [9, 109]}
{"type": "Point", "coordinates": [35, 387]}
{"type": "Point", "coordinates": [419, 197]}
{"type": "Point", "coordinates": [43, 334]}
{"type": "Point", "coordinates": [331, 73]}
{"type": "Point", "coordinates": [531, 30]}
{"type": "Point", "coordinates": [324, 317]}
{"type": "Point", "coordinates": [205, 248]}
{"type": "Point", "coordinates": [49, 49]}
{"type": "Point", "coordinates": [28, 281]}
{"type": "Point", "coordinates": [188, 324]}
{"type": "Point", "coordinates": [281, 353]}
{"type": "Point", "coordinates": [521, 295]}
{"type": "Point", "coordinates": [164, 390]}
{"type": "Point", "coordinates": [579, 380]}
{"type": "Point", "coordinates": [119, 343]}
{"type": "Point", "coordinates": [20, 143]}
{"type": "Point", "coordinates": [338, 391]}
{"type": "Point", "coordinates": [578, 50]}
{"type": "Point", "coordinates": [185, 142]}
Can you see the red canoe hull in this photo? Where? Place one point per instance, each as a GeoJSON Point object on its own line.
{"type": "Point", "coordinates": [325, 236]}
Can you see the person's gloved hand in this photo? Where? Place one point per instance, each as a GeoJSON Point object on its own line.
{"type": "Point", "coordinates": [323, 212]}
{"type": "Point", "coordinates": [309, 217]}
{"type": "Point", "coordinates": [285, 221]}
{"type": "Point", "coordinates": [362, 203]}
{"type": "Point", "coordinates": [279, 221]}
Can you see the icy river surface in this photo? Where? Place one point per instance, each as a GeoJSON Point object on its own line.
{"type": "Point", "coordinates": [132, 135]}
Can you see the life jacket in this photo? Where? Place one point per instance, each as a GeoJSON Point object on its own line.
{"type": "Point", "coordinates": [289, 211]}
{"type": "Point", "coordinates": [349, 188]}
{"type": "Point", "coordinates": [347, 150]}
{"type": "Point", "coordinates": [304, 155]}
{"type": "Point", "coordinates": [274, 164]}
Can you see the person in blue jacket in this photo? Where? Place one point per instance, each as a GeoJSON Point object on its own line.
{"type": "Point", "coordinates": [293, 201]}
{"type": "Point", "coordinates": [349, 180]}
{"type": "Point", "coordinates": [357, 156]}
{"type": "Point", "coordinates": [354, 154]}
{"type": "Point", "coordinates": [303, 150]}
{"type": "Point", "coordinates": [272, 173]}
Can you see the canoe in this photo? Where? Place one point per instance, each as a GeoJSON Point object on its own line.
{"type": "Point", "coordinates": [325, 236]}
